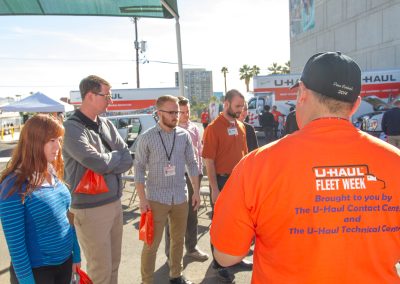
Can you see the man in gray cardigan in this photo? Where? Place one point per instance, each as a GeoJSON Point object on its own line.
{"type": "Point", "coordinates": [92, 142]}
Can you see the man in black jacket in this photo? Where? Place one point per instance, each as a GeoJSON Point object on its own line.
{"type": "Point", "coordinates": [291, 123]}
{"type": "Point", "coordinates": [391, 124]}
{"type": "Point", "coordinates": [251, 137]}
{"type": "Point", "coordinates": [267, 122]}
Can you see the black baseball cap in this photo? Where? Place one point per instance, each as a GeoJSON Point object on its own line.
{"type": "Point", "coordinates": [332, 74]}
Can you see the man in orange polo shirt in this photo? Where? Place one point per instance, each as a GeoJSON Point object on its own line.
{"type": "Point", "coordinates": [323, 202]}
{"type": "Point", "coordinates": [224, 145]}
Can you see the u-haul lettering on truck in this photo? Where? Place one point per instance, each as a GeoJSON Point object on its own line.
{"type": "Point", "coordinates": [352, 177]}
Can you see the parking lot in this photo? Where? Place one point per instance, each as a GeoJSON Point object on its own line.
{"type": "Point", "coordinates": [129, 272]}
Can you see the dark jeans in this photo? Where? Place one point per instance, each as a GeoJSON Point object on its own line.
{"type": "Point", "coordinates": [52, 274]}
{"type": "Point", "coordinates": [269, 134]}
{"type": "Point", "coordinates": [221, 180]}
{"type": "Point", "coordinates": [191, 228]}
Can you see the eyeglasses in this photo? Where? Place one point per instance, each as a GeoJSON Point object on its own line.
{"type": "Point", "coordinates": [171, 112]}
{"type": "Point", "coordinates": [107, 96]}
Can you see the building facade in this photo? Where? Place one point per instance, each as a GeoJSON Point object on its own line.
{"type": "Point", "coordinates": [198, 83]}
{"type": "Point", "coordinates": [366, 30]}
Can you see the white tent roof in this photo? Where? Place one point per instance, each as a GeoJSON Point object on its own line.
{"type": "Point", "coordinates": [38, 102]}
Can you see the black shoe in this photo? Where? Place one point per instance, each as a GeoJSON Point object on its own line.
{"type": "Point", "coordinates": [245, 264]}
{"type": "Point", "coordinates": [180, 280]}
{"type": "Point", "coordinates": [224, 276]}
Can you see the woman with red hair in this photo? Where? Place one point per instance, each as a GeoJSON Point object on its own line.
{"type": "Point", "coordinates": [34, 203]}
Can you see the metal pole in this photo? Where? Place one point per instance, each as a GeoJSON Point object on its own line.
{"type": "Point", "coordinates": [137, 53]}
{"type": "Point", "coordinates": [178, 46]}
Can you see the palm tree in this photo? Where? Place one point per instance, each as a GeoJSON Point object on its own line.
{"type": "Point", "coordinates": [275, 68]}
{"type": "Point", "coordinates": [224, 70]}
{"type": "Point", "coordinates": [246, 74]}
{"type": "Point", "coordinates": [255, 70]}
{"type": "Point", "coordinates": [286, 68]}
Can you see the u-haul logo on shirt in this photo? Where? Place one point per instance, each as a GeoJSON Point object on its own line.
{"type": "Point", "coordinates": [346, 177]}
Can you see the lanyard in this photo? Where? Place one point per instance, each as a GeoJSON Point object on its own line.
{"type": "Point", "coordinates": [165, 148]}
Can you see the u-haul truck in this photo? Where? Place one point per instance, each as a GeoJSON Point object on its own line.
{"type": "Point", "coordinates": [130, 99]}
{"type": "Point", "coordinates": [377, 86]}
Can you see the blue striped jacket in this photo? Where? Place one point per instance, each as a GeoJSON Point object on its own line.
{"type": "Point", "coordinates": [37, 231]}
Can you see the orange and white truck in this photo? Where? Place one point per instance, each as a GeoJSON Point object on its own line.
{"type": "Point", "coordinates": [125, 100]}
{"type": "Point", "coordinates": [379, 86]}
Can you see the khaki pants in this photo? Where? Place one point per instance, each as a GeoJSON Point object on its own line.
{"type": "Point", "coordinates": [99, 232]}
{"type": "Point", "coordinates": [192, 221]}
{"type": "Point", "coordinates": [394, 140]}
{"type": "Point", "coordinates": [177, 218]}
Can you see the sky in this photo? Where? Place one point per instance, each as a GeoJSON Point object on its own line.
{"type": "Point", "coordinates": [52, 54]}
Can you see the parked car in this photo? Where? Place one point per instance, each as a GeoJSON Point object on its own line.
{"type": "Point", "coordinates": [131, 126]}
{"type": "Point", "coordinates": [371, 122]}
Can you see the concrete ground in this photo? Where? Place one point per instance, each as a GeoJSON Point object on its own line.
{"type": "Point", "coordinates": [129, 272]}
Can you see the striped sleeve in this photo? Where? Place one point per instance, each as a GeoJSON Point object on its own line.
{"type": "Point", "coordinates": [13, 222]}
{"type": "Point", "coordinates": [76, 251]}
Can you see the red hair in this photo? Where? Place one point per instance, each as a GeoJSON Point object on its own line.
{"type": "Point", "coordinates": [28, 162]}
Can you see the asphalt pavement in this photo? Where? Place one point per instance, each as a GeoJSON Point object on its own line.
{"type": "Point", "coordinates": [129, 272]}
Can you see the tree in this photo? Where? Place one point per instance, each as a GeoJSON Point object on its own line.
{"type": "Point", "coordinates": [255, 70]}
{"type": "Point", "coordinates": [224, 70]}
{"type": "Point", "coordinates": [286, 68]}
{"type": "Point", "coordinates": [275, 68]}
{"type": "Point", "coordinates": [246, 74]}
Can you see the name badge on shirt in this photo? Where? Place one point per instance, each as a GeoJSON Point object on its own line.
{"type": "Point", "coordinates": [232, 131]}
{"type": "Point", "coordinates": [169, 171]}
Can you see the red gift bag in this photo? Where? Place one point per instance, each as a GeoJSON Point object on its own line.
{"type": "Point", "coordinates": [146, 227]}
{"type": "Point", "coordinates": [83, 277]}
{"type": "Point", "coordinates": [91, 183]}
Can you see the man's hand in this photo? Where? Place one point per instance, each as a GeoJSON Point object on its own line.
{"type": "Point", "coordinates": [196, 201]}
{"type": "Point", "coordinates": [144, 205]}
{"type": "Point", "coordinates": [214, 195]}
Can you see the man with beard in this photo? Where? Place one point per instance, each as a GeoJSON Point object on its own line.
{"type": "Point", "coordinates": [224, 145]}
{"type": "Point", "coordinates": [191, 230]}
{"type": "Point", "coordinates": [164, 150]}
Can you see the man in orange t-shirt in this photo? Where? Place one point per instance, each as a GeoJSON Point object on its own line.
{"type": "Point", "coordinates": [277, 114]}
{"type": "Point", "coordinates": [224, 144]}
{"type": "Point", "coordinates": [323, 202]}
{"type": "Point", "coordinates": [205, 118]}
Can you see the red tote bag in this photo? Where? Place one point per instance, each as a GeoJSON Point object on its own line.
{"type": "Point", "coordinates": [83, 277]}
{"type": "Point", "coordinates": [146, 228]}
{"type": "Point", "coordinates": [91, 183]}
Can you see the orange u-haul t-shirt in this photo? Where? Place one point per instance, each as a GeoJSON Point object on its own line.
{"type": "Point", "coordinates": [323, 203]}
{"type": "Point", "coordinates": [223, 146]}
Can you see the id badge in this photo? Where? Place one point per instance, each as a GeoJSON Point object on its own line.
{"type": "Point", "coordinates": [169, 171]}
{"type": "Point", "coordinates": [232, 131]}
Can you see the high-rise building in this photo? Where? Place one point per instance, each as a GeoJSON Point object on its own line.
{"type": "Point", "coordinates": [198, 83]}
{"type": "Point", "coordinates": [366, 30]}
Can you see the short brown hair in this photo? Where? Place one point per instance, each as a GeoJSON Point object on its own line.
{"type": "Point", "coordinates": [333, 105]}
{"type": "Point", "coordinates": [166, 98]}
{"type": "Point", "coordinates": [232, 93]}
{"type": "Point", "coordinates": [182, 101]}
{"type": "Point", "coordinates": [92, 83]}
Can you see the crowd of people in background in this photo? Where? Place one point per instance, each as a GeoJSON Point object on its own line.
{"type": "Point", "coordinates": [312, 202]}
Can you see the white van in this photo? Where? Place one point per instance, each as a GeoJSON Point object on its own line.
{"type": "Point", "coordinates": [130, 126]}
{"type": "Point", "coordinates": [259, 100]}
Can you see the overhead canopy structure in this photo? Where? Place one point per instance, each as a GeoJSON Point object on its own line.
{"type": "Point", "coordinates": [116, 8]}
{"type": "Point", "coordinates": [123, 8]}
{"type": "Point", "coordinates": [37, 102]}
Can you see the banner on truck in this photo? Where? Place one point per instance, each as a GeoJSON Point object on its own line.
{"type": "Point", "coordinates": [131, 99]}
{"type": "Point", "coordinates": [381, 83]}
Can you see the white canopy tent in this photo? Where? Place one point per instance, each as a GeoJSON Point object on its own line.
{"type": "Point", "coordinates": [37, 102]}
